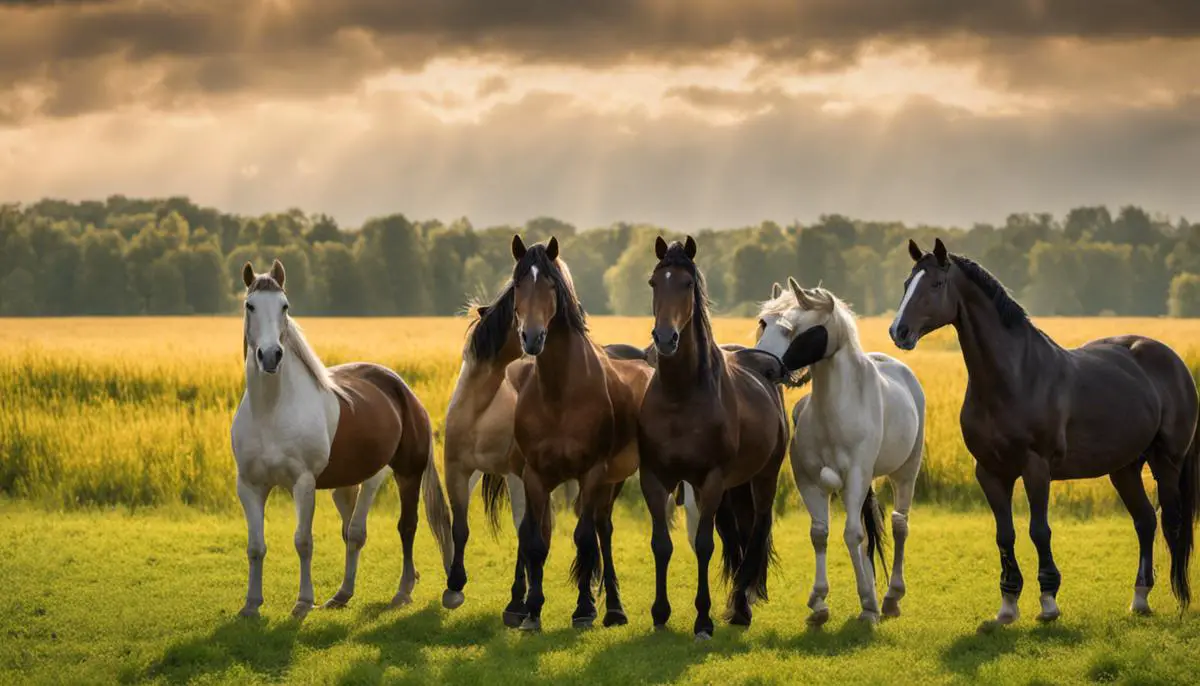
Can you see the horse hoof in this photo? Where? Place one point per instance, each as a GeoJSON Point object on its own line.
{"type": "Point", "coordinates": [334, 603]}
{"type": "Point", "coordinates": [1049, 609]}
{"type": "Point", "coordinates": [615, 618]}
{"type": "Point", "coordinates": [584, 622]}
{"type": "Point", "coordinates": [1143, 611]}
{"type": "Point", "coordinates": [513, 620]}
{"type": "Point", "coordinates": [400, 600]}
{"type": "Point", "coordinates": [818, 617]}
{"type": "Point", "coordinates": [452, 600]}
{"type": "Point", "coordinates": [301, 610]}
{"type": "Point", "coordinates": [739, 619]}
{"type": "Point", "coordinates": [1005, 618]}
{"type": "Point", "coordinates": [1047, 617]}
{"type": "Point", "coordinates": [891, 607]}
{"type": "Point", "coordinates": [868, 617]}
{"type": "Point", "coordinates": [531, 625]}
{"type": "Point", "coordinates": [702, 636]}
{"type": "Point", "coordinates": [249, 612]}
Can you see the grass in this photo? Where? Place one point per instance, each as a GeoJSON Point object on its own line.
{"type": "Point", "coordinates": [104, 597]}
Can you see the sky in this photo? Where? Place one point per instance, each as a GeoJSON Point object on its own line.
{"type": "Point", "coordinates": [683, 113]}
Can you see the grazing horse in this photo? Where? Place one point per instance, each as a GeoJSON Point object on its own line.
{"type": "Point", "coordinates": [576, 418]}
{"type": "Point", "coordinates": [479, 437]}
{"type": "Point", "coordinates": [711, 420]}
{"type": "Point", "coordinates": [304, 427]}
{"type": "Point", "coordinates": [1042, 413]}
{"type": "Point", "coordinates": [865, 418]}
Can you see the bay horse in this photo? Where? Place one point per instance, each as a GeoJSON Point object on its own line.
{"type": "Point", "coordinates": [865, 418]}
{"type": "Point", "coordinates": [1036, 411]}
{"type": "Point", "coordinates": [576, 418]}
{"type": "Point", "coordinates": [304, 427]}
{"type": "Point", "coordinates": [479, 438]}
{"type": "Point", "coordinates": [716, 423]}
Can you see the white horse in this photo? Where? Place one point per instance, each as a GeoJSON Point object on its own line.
{"type": "Point", "coordinates": [865, 418]}
{"type": "Point", "coordinates": [303, 427]}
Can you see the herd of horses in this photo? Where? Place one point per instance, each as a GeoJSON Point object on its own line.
{"type": "Point", "coordinates": [539, 405]}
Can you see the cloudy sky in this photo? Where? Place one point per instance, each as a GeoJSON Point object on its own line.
{"type": "Point", "coordinates": [688, 113]}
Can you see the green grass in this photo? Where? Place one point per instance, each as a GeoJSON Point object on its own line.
{"type": "Point", "coordinates": [104, 597]}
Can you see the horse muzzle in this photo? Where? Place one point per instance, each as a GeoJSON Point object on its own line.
{"type": "Point", "coordinates": [666, 342]}
{"type": "Point", "coordinates": [903, 336]}
{"type": "Point", "coordinates": [533, 342]}
{"type": "Point", "coordinates": [269, 359]}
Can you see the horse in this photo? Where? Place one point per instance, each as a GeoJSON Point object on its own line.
{"type": "Point", "coordinates": [576, 418]}
{"type": "Point", "coordinates": [710, 419]}
{"type": "Point", "coordinates": [479, 437]}
{"type": "Point", "coordinates": [865, 418]}
{"type": "Point", "coordinates": [1036, 411]}
{"type": "Point", "coordinates": [305, 427]}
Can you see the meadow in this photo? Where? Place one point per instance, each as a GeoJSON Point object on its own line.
{"type": "Point", "coordinates": [123, 544]}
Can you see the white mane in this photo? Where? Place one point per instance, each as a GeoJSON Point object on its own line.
{"type": "Point", "coordinates": [837, 313]}
{"type": "Point", "coordinates": [298, 345]}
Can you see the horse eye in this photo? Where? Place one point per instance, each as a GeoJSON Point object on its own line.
{"type": "Point", "coordinates": [285, 307]}
{"type": "Point", "coordinates": [651, 282]}
{"type": "Point", "coordinates": [249, 307]}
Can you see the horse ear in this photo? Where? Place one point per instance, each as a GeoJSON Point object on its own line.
{"type": "Point", "coordinates": [552, 249]}
{"type": "Point", "coordinates": [277, 273]}
{"type": "Point", "coordinates": [518, 247]}
{"type": "Point", "coordinates": [914, 251]}
{"type": "Point", "coordinates": [939, 251]}
{"type": "Point", "coordinates": [660, 248]}
{"type": "Point", "coordinates": [248, 274]}
{"type": "Point", "coordinates": [776, 290]}
{"type": "Point", "coordinates": [689, 248]}
{"type": "Point", "coordinates": [801, 296]}
{"type": "Point", "coordinates": [481, 311]}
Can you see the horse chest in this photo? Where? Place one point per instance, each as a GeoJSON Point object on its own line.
{"type": "Point", "coordinates": [278, 446]}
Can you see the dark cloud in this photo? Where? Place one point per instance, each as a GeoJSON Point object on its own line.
{"type": "Point", "coordinates": [314, 46]}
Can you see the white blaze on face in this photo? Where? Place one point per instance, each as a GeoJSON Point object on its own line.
{"type": "Point", "coordinates": [668, 275]}
{"type": "Point", "coordinates": [535, 273]}
{"type": "Point", "coordinates": [908, 294]}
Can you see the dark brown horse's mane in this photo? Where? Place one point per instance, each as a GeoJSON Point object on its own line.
{"type": "Point", "coordinates": [1010, 311]}
{"type": "Point", "coordinates": [568, 311]}
{"type": "Point", "coordinates": [677, 257]}
{"type": "Point", "coordinates": [489, 332]}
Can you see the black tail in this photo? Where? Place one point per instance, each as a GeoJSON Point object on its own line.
{"type": "Point", "coordinates": [733, 540]}
{"type": "Point", "coordinates": [872, 515]}
{"type": "Point", "coordinates": [760, 557]}
{"type": "Point", "coordinates": [495, 492]}
{"type": "Point", "coordinates": [1184, 532]}
{"type": "Point", "coordinates": [586, 565]}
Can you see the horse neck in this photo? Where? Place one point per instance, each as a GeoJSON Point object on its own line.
{"type": "Point", "coordinates": [840, 374]}
{"type": "Point", "coordinates": [997, 357]}
{"type": "Point", "coordinates": [554, 364]}
{"type": "Point", "coordinates": [486, 376]}
{"type": "Point", "coordinates": [292, 384]}
{"type": "Point", "coordinates": [681, 373]}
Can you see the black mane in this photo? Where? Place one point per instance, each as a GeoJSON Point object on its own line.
{"type": "Point", "coordinates": [676, 257]}
{"type": "Point", "coordinates": [489, 333]}
{"type": "Point", "coordinates": [568, 310]}
{"type": "Point", "coordinates": [1010, 311]}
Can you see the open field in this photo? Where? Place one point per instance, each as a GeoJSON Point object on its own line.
{"type": "Point", "coordinates": [122, 543]}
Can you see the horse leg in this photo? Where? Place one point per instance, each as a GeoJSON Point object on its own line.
{"type": "Point", "coordinates": [304, 492]}
{"type": "Point", "coordinates": [999, 490]}
{"type": "Point", "coordinates": [854, 495]}
{"type": "Point", "coordinates": [614, 614]}
{"type": "Point", "coordinates": [816, 501]}
{"type": "Point", "coordinates": [751, 579]}
{"type": "Point", "coordinates": [903, 485]}
{"type": "Point", "coordinates": [1128, 482]}
{"type": "Point", "coordinates": [586, 567]}
{"type": "Point", "coordinates": [410, 500]}
{"type": "Point", "coordinates": [692, 512]}
{"type": "Point", "coordinates": [254, 501]}
{"type": "Point", "coordinates": [516, 500]}
{"type": "Point", "coordinates": [658, 499]}
{"type": "Point", "coordinates": [516, 612]}
{"type": "Point", "coordinates": [460, 483]}
{"type": "Point", "coordinates": [1036, 477]}
{"type": "Point", "coordinates": [534, 546]}
{"type": "Point", "coordinates": [709, 497]}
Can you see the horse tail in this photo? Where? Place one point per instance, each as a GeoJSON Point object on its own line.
{"type": "Point", "coordinates": [872, 515]}
{"type": "Point", "coordinates": [830, 481]}
{"type": "Point", "coordinates": [733, 543]}
{"type": "Point", "coordinates": [494, 490]}
{"type": "Point", "coordinates": [1181, 542]}
{"type": "Point", "coordinates": [436, 510]}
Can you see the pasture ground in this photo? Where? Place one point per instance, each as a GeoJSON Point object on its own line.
{"type": "Point", "coordinates": [105, 597]}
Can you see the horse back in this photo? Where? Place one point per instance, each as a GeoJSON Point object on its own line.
{"type": "Point", "coordinates": [381, 421]}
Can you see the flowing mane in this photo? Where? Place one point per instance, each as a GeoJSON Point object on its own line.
{"type": "Point", "coordinates": [490, 327]}
{"type": "Point", "coordinates": [568, 310]}
{"type": "Point", "coordinates": [676, 257]}
{"type": "Point", "coordinates": [1010, 311]}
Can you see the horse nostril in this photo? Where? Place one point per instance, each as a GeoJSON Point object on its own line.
{"type": "Point", "coordinates": [902, 331]}
{"type": "Point", "coordinates": [278, 356]}
{"type": "Point", "coordinates": [675, 338]}
{"type": "Point", "coordinates": [258, 354]}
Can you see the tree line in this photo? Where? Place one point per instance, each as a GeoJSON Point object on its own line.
{"type": "Point", "coordinates": [126, 256]}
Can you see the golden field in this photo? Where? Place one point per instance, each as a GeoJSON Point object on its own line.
{"type": "Point", "coordinates": [135, 412]}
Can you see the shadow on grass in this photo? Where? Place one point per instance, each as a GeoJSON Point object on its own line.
{"type": "Point", "coordinates": [851, 637]}
{"type": "Point", "coordinates": [260, 646]}
{"type": "Point", "coordinates": [969, 653]}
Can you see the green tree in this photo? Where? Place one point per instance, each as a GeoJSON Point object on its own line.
{"type": "Point", "coordinates": [102, 286]}
{"type": "Point", "coordinates": [18, 294]}
{"type": "Point", "coordinates": [204, 279]}
{"type": "Point", "coordinates": [1185, 295]}
{"type": "Point", "coordinates": [626, 281]}
{"type": "Point", "coordinates": [168, 295]}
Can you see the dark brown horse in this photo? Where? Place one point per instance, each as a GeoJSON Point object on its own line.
{"type": "Point", "coordinates": [1038, 412]}
{"type": "Point", "coordinates": [719, 425]}
{"type": "Point", "coordinates": [576, 418]}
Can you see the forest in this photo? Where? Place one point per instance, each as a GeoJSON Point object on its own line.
{"type": "Point", "coordinates": [126, 256]}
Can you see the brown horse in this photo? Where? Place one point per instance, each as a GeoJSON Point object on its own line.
{"type": "Point", "coordinates": [576, 418]}
{"type": "Point", "coordinates": [1041, 413]}
{"type": "Point", "coordinates": [719, 425]}
{"type": "Point", "coordinates": [304, 427]}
